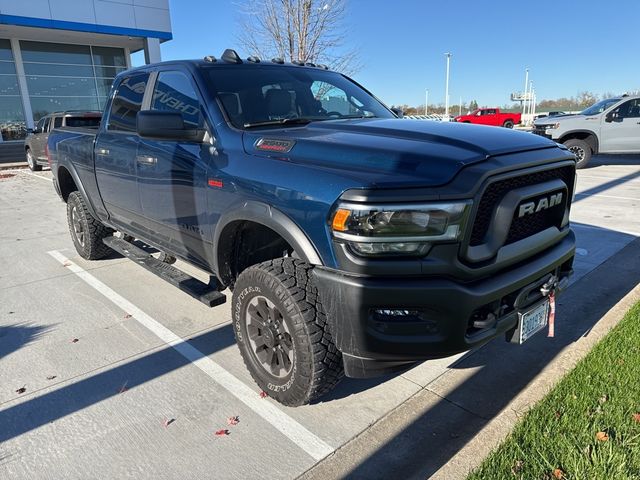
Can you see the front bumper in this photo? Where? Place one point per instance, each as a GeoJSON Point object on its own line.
{"type": "Point", "coordinates": [443, 316]}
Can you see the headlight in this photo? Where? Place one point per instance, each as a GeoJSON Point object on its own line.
{"type": "Point", "coordinates": [378, 230]}
{"type": "Point", "coordinates": [553, 126]}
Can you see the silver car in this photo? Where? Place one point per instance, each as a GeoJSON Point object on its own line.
{"type": "Point", "coordinates": [36, 142]}
{"type": "Point", "coordinates": [609, 126]}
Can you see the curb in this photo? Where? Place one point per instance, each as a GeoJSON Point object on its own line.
{"type": "Point", "coordinates": [14, 165]}
{"type": "Point", "coordinates": [498, 428]}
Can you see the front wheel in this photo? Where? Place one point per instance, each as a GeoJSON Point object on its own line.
{"type": "Point", "coordinates": [282, 332]}
{"type": "Point", "coordinates": [581, 150]}
{"type": "Point", "coordinates": [31, 161]}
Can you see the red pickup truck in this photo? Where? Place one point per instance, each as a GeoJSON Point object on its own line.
{"type": "Point", "coordinates": [490, 116]}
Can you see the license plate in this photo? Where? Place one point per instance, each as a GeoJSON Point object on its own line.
{"type": "Point", "coordinates": [533, 321]}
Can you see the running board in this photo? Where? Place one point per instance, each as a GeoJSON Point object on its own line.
{"type": "Point", "coordinates": [207, 294]}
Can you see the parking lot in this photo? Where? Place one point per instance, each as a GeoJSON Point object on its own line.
{"type": "Point", "coordinates": [125, 376]}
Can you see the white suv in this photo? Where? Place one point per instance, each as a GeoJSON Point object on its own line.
{"type": "Point", "coordinates": [609, 126]}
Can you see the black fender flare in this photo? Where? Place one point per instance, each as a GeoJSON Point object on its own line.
{"type": "Point", "coordinates": [264, 214]}
{"type": "Point", "coordinates": [591, 133]}
{"type": "Point", "coordinates": [76, 179]}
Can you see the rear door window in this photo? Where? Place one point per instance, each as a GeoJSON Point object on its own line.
{"type": "Point", "coordinates": [57, 122]}
{"type": "Point", "coordinates": [47, 124]}
{"type": "Point", "coordinates": [88, 122]}
{"type": "Point", "coordinates": [127, 102]}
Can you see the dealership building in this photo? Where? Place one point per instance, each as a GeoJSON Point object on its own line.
{"type": "Point", "coordinates": [58, 55]}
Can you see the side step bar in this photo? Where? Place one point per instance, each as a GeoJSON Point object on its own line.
{"type": "Point", "coordinates": [207, 294]}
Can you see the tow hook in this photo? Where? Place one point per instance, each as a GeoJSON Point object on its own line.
{"type": "Point", "coordinates": [554, 284]}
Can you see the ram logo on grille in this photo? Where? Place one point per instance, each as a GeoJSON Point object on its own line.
{"type": "Point", "coordinates": [544, 203]}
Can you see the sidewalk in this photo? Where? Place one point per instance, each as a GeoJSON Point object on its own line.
{"type": "Point", "coordinates": [447, 429]}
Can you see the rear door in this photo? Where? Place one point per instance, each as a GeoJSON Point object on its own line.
{"type": "Point", "coordinates": [172, 175]}
{"type": "Point", "coordinates": [41, 139]}
{"type": "Point", "coordinates": [115, 153]}
{"type": "Point", "coordinates": [622, 133]}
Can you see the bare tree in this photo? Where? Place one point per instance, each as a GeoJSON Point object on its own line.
{"type": "Point", "coordinates": [306, 30]}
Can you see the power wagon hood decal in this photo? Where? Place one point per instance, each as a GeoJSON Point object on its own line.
{"type": "Point", "coordinates": [393, 152]}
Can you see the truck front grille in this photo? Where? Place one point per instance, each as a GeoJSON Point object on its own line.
{"type": "Point", "coordinates": [525, 226]}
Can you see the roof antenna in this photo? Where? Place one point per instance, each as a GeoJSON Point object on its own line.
{"type": "Point", "coordinates": [210, 59]}
{"type": "Point", "coordinates": [231, 56]}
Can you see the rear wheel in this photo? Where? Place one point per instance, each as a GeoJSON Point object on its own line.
{"type": "Point", "coordinates": [508, 124]}
{"type": "Point", "coordinates": [86, 231]}
{"type": "Point", "coordinates": [581, 150]}
{"type": "Point", "coordinates": [283, 333]}
{"type": "Point", "coordinates": [31, 161]}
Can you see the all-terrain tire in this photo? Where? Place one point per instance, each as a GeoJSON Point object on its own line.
{"type": "Point", "coordinates": [289, 297]}
{"type": "Point", "coordinates": [581, 149]}
{"type": "Point", "coordinates": [32, 162]}
{"type": "Point", "coordinates": [86, 231]}
{"type": "Point", "coordinates": [508, 124]}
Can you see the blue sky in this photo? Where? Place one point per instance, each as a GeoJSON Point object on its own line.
{"type": "Point", "coordinates": [568, 45]}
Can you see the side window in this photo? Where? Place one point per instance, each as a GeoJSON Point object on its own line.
{"type": "Point", "coordinates": [47, 124]}
{"type": "Point", "coordinates": [630, 109]}
{"type": "Point", "coordinates": [57, 122]}
{"type": "Point", "coordinates": [174, 93]}
{"type": "Point", "coordinates": [127, 103]}
{"type": "Point", "coordinates": [40, 125]}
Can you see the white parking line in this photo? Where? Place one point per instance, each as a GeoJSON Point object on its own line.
{"type": "Point", "coordinates": [605, 196]}
{"type": "Point", "coordinates": [298, 434]}
{"type": "Point", "coordinates": [37, 176]}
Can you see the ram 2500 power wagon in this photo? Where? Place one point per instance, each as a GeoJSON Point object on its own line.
{"type": "Point", "coordinates": [490, 116]}
{"type": "Point", "coordinates": [354, 242]}
{"type": "Point", "coordinates": [609, 126]}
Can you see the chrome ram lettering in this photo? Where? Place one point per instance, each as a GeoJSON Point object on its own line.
{"type": "Point", "coordinates": [530, 208]}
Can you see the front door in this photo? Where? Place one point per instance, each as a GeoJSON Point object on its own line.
{"type": "Point", "coordinates": [115, 154]}
{"type": "Point", "coordinates": [172, 175]}
{"type": "Point", "coordinates": [622, 133]}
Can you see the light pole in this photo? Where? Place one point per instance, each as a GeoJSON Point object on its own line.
{"type": "Point", "coordinates": [524, 98]}
{"type": "Point", "coordinates": [460, 107]}
{"type": "Point", "coordinates": [426, 103]}
{"type": "Point", "coordinates": [446, 89]}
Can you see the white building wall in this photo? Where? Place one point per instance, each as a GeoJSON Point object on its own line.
{"type": "Point", "coordinates": [137, 14]}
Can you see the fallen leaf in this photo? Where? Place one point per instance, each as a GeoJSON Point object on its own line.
{"type": "Point", "coordinates": [603, 399]}
{"type": "Point", "coordinates": [21, 390]}
{"type": "Point", "coordinates": [75, 340]}
{"type": "Point", "coordinates": [517, 466]}
{"type": "Point", "coordinates": [233, 420]}
{"type": "Point", "coordinates": [558, 473]}
{"type": "Point", "coordinates": [263, 394]}
{"type": "Point", "coordinates": [558, 414]}
{"type": "Point", "coordinates": [168, 422]}
{"type": "Point", "coordinates": [636, 417]}
{"type": "Point", "coordinates": [128, 315]}
{"type": "Point", "coordinates": [602, 436]}
{"type": "Point", "coordinates": [51, 377]}
{"type": "Point", "coordinates": [222, 432]}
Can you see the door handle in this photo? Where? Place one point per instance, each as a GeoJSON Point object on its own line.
{"type": "Point", "coordinates": [146, 160]}
{"type": "Point", "coordinates": [102, 151]}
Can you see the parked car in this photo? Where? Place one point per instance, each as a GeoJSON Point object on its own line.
{"type": "Point", "coordinates": [36, 140]}
{"type": "Point", "coordinates": [609, 126]}
{"type": "Point", "coordinates": [550, 114]}
{"type": "Point", "coordinates": [490, 116]}
{"type": "Point", "coordinates": [354, 242]}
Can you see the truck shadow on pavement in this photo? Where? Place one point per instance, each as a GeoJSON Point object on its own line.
{"type": "Point", "coordinates": [603, 159]}
{"type": "Point", "coordinates": [452, 414]}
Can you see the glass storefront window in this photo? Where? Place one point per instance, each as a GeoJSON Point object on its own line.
{"type": "Point", "coordinates": [69, 77]}
{"type": "Point", "coordinates": [12, 124]}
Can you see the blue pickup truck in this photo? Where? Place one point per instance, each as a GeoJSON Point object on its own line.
{"type": "Point", "coordinates": [355, 242]}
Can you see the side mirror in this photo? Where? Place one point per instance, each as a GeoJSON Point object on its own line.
{"type": "Point", "coordinates": [166, 125]}
{"type": "Point", "coordinates": [611, 116]}
{"type": "Point", "coordinates": [398, 111]}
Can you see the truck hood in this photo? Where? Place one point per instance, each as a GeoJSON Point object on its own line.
{"type": "Point", "coordinates": [562, 118]}
{"type": "Point", "coordinates": [394, 152]}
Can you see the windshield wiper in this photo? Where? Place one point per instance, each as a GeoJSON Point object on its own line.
{"type": "Point", "coordinates": [285, 121]}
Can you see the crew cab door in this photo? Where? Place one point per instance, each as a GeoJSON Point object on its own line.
{"type": "Point", "coordinates": [172, 174]}
{"type": "Point", "coordinates": [620, 130]}
{"type": "Point", "coordinates": [115, 153]}
{"type": "Point", "coordinates": [487, 116]}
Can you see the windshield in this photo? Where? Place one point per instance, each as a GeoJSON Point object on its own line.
{"type": "Point", "coordinates": [257, 96]}
{"type": "Point", "coordinates": [600, 106]}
